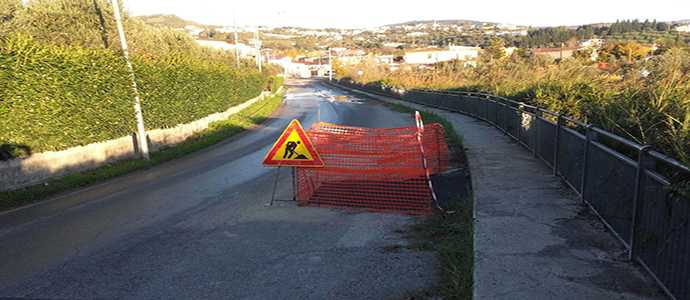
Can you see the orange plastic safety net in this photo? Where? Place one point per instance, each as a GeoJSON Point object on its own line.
{"type": "Point", "coordinates": [372, 168]}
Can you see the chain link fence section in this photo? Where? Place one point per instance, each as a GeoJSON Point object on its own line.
{"type": "Point", "coordinates": [631, 188]}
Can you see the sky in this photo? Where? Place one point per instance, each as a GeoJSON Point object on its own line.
{"type": "Point", "coordinates": [372, 13]}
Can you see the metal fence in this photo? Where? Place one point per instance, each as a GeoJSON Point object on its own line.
{"type": "Point", "coordinates": [627, 185]}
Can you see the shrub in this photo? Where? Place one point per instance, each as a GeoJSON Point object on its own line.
{"type": "Point", "coordinates": [647, 101]}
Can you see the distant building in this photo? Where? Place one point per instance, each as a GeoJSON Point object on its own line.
{"type": "Point", "coordinates": [432, 56]}
{"type": "Point", "coordinates": [417, 33]}
{"type": "Point", "coordinates": [591, 43]}
{"type": "Point", "coordinates": [350, 57]}
{"type": "Point", "coordinates": [193, 30]}
{"type": "Point", "coordinates": [507, 26]}
{"type": "Point", "coordinates": [385, 59]}
{"type": "Point", "coordinates": [231, 29]}
{"type": "Point", "coordinates": [279, 36]}
{"type": "Point", "coordinates": [393, 45]}
{"type": "Point", "coordinates": [683, 28]}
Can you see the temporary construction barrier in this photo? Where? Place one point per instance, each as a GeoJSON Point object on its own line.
{"type": "Point", "coordinates": [373, 168]}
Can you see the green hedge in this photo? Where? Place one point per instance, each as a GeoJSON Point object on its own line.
{"type": "Point", "coordinates": [180, 89]}
{"type": "Point", "coordinates": [55, 97]}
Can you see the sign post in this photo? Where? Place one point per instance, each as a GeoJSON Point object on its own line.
{"type": "Point", "coordinates": [292, 149]}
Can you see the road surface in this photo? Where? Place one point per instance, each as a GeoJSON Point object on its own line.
{"type": "Point", "coordinates": [198, 227]}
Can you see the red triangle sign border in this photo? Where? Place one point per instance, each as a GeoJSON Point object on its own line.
{"type": "Point", "coordinates": [307, 144]}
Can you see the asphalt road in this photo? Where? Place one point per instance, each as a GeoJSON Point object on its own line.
{"type": "Point", "coordinates": [198, 228]}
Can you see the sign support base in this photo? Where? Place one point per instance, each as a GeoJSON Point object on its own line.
{"type": "Point", "coordinates": [275, 187]}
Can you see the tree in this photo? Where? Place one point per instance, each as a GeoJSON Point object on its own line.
{"type": "Point", "coordinates": [605, 53]}
{"type": "Point", "coordinates": [550, 36]}
{"type": "Point", "coordinates": [495, 50]}
{"type": "Point", "coordinates": [630, 51]}
{"type": "Point", "coordinates": [584, 55]}
{"type": "Point", "coordinates": [523, 53]}
{"type": "Point", "coordinates": [585, 32]}
{"type": "Point", "coordinates": [662, 26]}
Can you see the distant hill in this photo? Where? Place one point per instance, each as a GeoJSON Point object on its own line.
{"type": "Point", "coordinates": [474, 22]}
{"type": "Point", "coordinates": [168, 21]}
{"type": "Point", "coordinates": [441, 22]}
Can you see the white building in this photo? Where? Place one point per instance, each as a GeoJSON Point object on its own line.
{"type": "Point", "coordinates": [385, 59]}
{"type": "Point", "coordinates": [432, 56]}
{"type": "Point", "coordinates": [683, 28]}
{"type": "Point", "coordinates": [350, 57]}
{"type": "Point", "coordinates": [417, 33]}
{"type": "Point", "coordinates": [507, 26]}
{"type": "Point", "coordinates": [591, 43]}
{"type": "Point", "coordinates": [193, 30]}
{"type": "Point", "coordinates": [393, 44]}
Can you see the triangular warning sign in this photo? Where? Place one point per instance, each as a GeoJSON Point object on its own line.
{"type": "Point", "coordinates": [293, 149]}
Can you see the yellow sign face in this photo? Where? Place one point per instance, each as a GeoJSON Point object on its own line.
{"type": "Point", "coordinates": [293, 148]}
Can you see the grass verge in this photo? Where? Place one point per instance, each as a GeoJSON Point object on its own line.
{"type": "Point", "coordinates": [217, 131]}
{"type": "Point", "coordinates": [450, 235]}
{"type": "Point", "coordinates": [453, 139]}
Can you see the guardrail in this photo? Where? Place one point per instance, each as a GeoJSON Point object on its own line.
{"type": "Point", "coordinates": [627, 185]}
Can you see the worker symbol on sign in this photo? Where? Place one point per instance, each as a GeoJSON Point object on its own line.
{"type": "Point", "coordinates": [293, 149]}
{"type": "Point", "coordinates": [290, 151]}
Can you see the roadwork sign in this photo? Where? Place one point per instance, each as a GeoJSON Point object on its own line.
{"type": "Point", "coordinates": [293, 149]}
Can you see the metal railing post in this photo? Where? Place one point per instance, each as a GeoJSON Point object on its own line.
{"type": "Point", "coordinates": [496, 106]}
{"type": "Point", "coordinates": [535, 123]}
{"type": "Point", "coordinates": [557, 144]}
{"type": "Point", "coordinates": [589, 136]}
{"type": "Point", "coordinates": [502, 116]}
{"type": "Point", "coordinates": [486, 109]}
{"type": "Point", "coordinates": [644, 162]}
{"type": "Point", "coordinates": [518, 126]}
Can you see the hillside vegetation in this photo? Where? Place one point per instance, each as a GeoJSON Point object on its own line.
{"type": "Point", "coordinates": [171, 21]}
{"type": "Point", "coordinates": [646, 100]}
{"type": "Point", "coordinates": [63, 81]}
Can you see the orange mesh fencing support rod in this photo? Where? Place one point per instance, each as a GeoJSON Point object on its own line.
{"type": "Point", "coordinates": [420, 134]}
{"type": "Point", "coordinates": [372, 168]}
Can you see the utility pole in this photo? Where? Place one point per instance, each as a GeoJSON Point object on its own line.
{"type": "Point", "coordinates": [237, 49]}
{"type": "Point", "coordinates": [257, 45]}
{"type": "Point", "coordinates": [330, 65]}
{"type": "Point", "coordinates": [141, 131]}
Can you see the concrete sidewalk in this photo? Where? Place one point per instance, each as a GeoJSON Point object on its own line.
{"type": "Point", "coordinates": [533, 238]}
